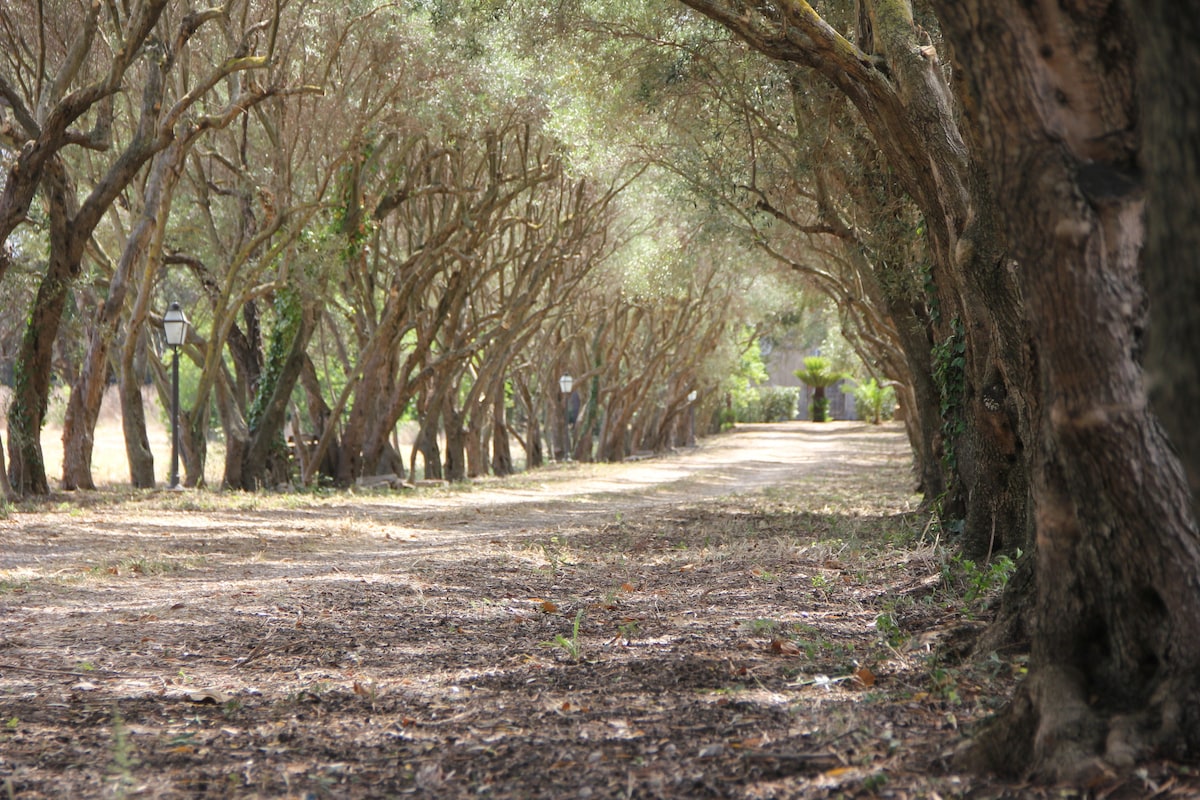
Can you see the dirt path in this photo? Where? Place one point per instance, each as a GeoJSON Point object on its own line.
{"type": "Point", "coordinates": [754, 618]}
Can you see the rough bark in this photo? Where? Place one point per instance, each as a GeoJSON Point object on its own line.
{"type": "Point", "coordinates": [265, 460]}
{"type": "Point", "coordinates": [32, 370]}
{"type": "Point", "coordinates": [502, 460]}
{"type": "Point", "coordinates": [1113, 670]}
{"type": "Point", "coordinates": [1170, 96]}
{"type": "Point", "coordinates": [133, 416]}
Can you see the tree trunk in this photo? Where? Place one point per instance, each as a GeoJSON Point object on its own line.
{"type": "Point", "coordinates": [475, 445]}
{"type": "Point", "coordinates": [265, 459]}
{"type": "Point", "coordinates": [83, 409]}
{"type": "Point", "coordinates": [133, 420]}
{"type": "Point", "coordinates": [431, 454]}
{"type": "Point", "coordinates": [534, 457]}
{"type": "Point", "coordinates": [320, 417]}
{"type": "Point", "coordinates": [1113, 672]}
{"type": "Point", "coordinates": [456, 442]}
{"type": "Point", "coordinates": [502, 461]}
{"type": "Point", "coordinates": [33, 367]}
{"type": "Point", "coordinates": [1169, 96]}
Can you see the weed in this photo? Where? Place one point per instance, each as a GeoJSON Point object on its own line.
{"type": "Point", "coordinates": [123, 760]}
{"type": "Point", "coordinates": [571, 646]}
{"type": "Point", "coordinates": [13, 586]}
{"type": "Point", "coordinates": [886, 624]}
{"type": "Point", "coordinates": [943, 683]}
{"type": "Point", "coordinates": [978, 584]}
{"type": "Point", "coordinates": [761, 627]}
{"type": "Point", "coordinates": [875, 782]}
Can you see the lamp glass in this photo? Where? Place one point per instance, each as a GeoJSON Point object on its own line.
{"type": "Point", "coordinates": [175, 325]}
{"type": "Point", "coordinates": [565, 383]}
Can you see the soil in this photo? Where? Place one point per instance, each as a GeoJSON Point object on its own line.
{"type": "Point", "coordinates": [769, 615]}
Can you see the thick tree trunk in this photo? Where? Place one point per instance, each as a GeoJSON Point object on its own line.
{"type": "Point", "coordinates": [431, 455]}
{"type": "Point", "coordinates": [922, 409]}
{"type": "Point", "coordinates": [265, 459]}
{"type": "Point", "coordinates": [83, 409]}
{"type": "Point", "coordinates": [1114, 668]}
{"type": "Point", "coordinates": [502, 461]}
{"type": "Point", "coordinates": [33, 367]}
{"type": "Point", "coordinates": [1168, 31]}
{"type": "Point", "coordinates": [320, 417]}
{"type": "Point", "coordinates": [133, 421]}
{"type": "Point", "coordinates": [534, 457]}
{"type": "Point", "coordinates": [456, 443]}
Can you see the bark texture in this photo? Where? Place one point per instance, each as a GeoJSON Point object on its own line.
{"type": "Point", "coordinates": [1169, 94]}
{"type": "Point", "coordinates": [1113, 673]}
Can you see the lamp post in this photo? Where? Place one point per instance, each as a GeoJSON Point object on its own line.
{"type": "Point", "coordinates": [175, 327]}
{"type": "Point", "coordinates": [564, 384]}
{"type": "Point", "coordinates": [691, 398]}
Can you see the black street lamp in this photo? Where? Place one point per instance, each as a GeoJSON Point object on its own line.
{"type": "Point", "coordinates": [175, 327]}
{"type": "Point", "coordinates": [565, 383]}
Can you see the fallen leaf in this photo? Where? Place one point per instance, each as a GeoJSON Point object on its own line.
{"type": "Point", "coordinates": [784, 647]}
{"type": "Point", "coordinates": [549, 607]}
{"type": "Point", "coordinates": [864, 677]}
{"type": "Point", "coordinates": [626, 587]}
{"type": "Point", "coordinates": [208, 697]}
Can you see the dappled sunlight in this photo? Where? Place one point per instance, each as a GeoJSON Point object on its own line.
{"type": "Point", "coordinates": [703, 611]}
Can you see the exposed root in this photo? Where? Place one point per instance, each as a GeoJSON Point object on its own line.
{"type": "Point", "coordinates": [1050, 733]}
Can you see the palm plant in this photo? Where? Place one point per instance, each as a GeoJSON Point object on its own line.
{"type": "Point", "coordinates": [870, 398]}
{"type": "Point", "coordinates": [818, 373]}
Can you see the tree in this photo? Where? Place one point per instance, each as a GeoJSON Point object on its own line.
{"type": "Point", "coordinates": [818, 374]}
{"type": "Point", "coordinates": [1113, 671]}
{"type": "Point", "coordinates": [1167, 34]}
{"type": "Point", "coordinates": [892, 76]}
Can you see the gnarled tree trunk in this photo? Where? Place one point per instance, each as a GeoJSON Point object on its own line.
{"type": "Point", "coordinates": [1115, 665]}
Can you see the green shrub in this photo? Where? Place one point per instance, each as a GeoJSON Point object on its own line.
{"type": "Point", "coordinates": [872, 400]}
{"type": "Point", "coordinates": [766, 404]}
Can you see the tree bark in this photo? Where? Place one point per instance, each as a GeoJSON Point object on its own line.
{"type": "Point", "coordinates": [1169, 95]}
{"type": "Point", "coordinates": [261, 460]}
{"type": "Point", "coordinates": [133, 416]}
{"type": "Point", "coordinates": [32, 370]}
{"type": "Point", "coordinates": [502, 460]}
{"type": "Point", "coordinates": [1113, 671]}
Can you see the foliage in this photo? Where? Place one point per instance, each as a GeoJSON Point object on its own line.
{"type": "Point", "coordinates": [766, 404]}
{"type": "Point", "coordinates": [977, 585]}
{"type": "Point", "coordinates": [871, 399]}
{"type": "Point", "coordinates": [949, 375]}
{"type": "Point", "coordinates": [819, 374]}
{"type": "Point", "coordinates": [570, 645]}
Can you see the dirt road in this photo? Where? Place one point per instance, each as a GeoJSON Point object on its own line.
{"type": "Point", "coordinates": [633, 630]}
